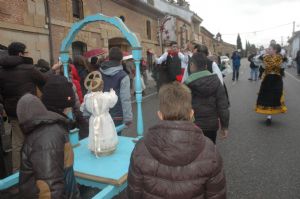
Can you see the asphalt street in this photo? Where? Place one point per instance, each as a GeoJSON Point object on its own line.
{"type": "Point", "coordinates": [261, 162]}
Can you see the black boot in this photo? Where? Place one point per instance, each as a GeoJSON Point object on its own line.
{"type": "Point", "coordinates": [268, 121]}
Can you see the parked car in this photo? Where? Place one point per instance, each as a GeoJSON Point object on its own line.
{"type": "Point", "coordinates": [225, 59]}
{"type": "Point", "coordinates": [225, 65]}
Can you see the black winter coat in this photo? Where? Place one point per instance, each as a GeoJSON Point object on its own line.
{"type": "Point", "coordinates": [297, 59]}
{"type": "Point", "coordinates": [47, 156]}
{"type": "Point", "coordinates": [2, 161]}
{"type": "Point", "coordinates": [175, 161]}
{"type": "Point", "coordinates": [17, 77]}
{"type": "Point", "coordinates": [209, 101]}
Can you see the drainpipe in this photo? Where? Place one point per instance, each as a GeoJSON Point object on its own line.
{"type": "Point", "coordinates": [48, 21]}
{"type": "Point", "coordinates": [160, 36]}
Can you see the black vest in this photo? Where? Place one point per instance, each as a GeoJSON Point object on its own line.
{"type": "Point", "coordinates": [174, 66]}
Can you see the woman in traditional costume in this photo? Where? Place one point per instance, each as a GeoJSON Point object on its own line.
{"type": "Point", "coordinates": [270, 99]}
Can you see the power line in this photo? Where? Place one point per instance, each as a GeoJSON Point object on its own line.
{"type": "Point", "coordinates": [262, 30]}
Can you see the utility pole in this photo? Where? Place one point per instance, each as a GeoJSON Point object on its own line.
{"type": "Point", "coordinates": [281, 40]}
{"type": "Point", "coordinates": [294, 24]}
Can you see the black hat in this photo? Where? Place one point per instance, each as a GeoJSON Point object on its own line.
{"type": "Point", "coordinates": [15, 48]}
{"type": "Point", "coordinates": [42, 65]}
{"type": "Point", "coordinates": [58, 93]}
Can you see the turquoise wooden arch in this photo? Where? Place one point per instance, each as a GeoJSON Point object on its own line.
{"type": "Point", "coordinates": [136, 53]}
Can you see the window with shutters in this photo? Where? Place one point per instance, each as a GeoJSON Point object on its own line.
{"type": "Point", "coordinates": [148, 29]}
{"type": "Point", "coordinates": [77, 6]}
{"type": "Point", "coordinates": [78, 48]}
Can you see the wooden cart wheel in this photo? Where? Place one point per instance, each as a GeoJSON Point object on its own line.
{"type": "Point", "coordinates": [93, 80]}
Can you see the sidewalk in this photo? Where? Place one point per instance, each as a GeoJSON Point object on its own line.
{"type": "Point", "coordinates": [150, 87]}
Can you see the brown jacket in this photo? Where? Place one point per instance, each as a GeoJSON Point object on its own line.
{"type": "Point", "coordinates": [176, 161]}
{"type": "Point", "coordinates": [47, 155]}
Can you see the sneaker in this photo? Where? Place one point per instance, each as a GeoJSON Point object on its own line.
{"type": "Point", "coordinates": [268, 122]}
{"type": "Point", "coordinates": [250, 79]}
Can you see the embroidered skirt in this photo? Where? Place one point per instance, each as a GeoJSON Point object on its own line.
{"type": "Point", "coordinates": [270, 98]}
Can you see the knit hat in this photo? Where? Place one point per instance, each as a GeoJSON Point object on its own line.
{"type": "Point", "coordinates": [42, 65]}
{"type": "Point", "coordinates": [58, 93]}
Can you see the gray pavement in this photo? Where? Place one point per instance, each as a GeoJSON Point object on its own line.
{"type": "Point", "coordinates": [260, 162]}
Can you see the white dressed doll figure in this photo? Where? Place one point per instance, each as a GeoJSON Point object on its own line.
{"type": "Point", "coordinates": [103, 138]}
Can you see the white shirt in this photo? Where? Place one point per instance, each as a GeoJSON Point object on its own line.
{"type": "Point", "coordinates": [165, 56]}
{"type": "Point", "coordinates": [216, 70]}
{"type": "Point", "coordinates": [185, 63]}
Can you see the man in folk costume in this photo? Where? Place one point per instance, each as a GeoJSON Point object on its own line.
{"type": "Point", "coordinates": [170, 63]}
{"type": "Point", "coordinates": [270, 99]}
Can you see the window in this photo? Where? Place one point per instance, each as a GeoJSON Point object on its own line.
{"type": "Point", "coordinates": [77, 9]}
{"type": "Point", "coordinates": [148, 29]}
{"type": "Point", "coordinates": [122, 18]}
{"type": "Point", "coordinates": [78, 48]}
{"type": "Point", "coordinates": [196, 28]}
{"type": "Point", "coordinates": [186, 36]}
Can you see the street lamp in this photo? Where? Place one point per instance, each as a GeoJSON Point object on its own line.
{"type": "Point", "coordinates": [219, 37]}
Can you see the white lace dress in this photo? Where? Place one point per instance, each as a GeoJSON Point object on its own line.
{"type": "Point", "coordinates": [103, 137]}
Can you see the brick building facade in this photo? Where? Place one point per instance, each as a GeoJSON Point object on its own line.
{"type": "Point", "coordinates": [139, 17]}
{"type": "Point", "coordinates": [42, 25]}
{"type": "Point", "coordinates": [25, 21]}
{"type": "Point", "coordinates": [224, 48]}
{"type": "Point", "coordinates": [216, 46]}
{"type": "Point", "coordinates": [208, 40]}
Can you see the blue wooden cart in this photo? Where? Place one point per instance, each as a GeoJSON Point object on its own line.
{"type": "Point", "coordinates": [106, 173]}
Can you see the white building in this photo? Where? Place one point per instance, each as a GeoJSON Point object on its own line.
{"type": "Point", "coordinates": [294, 44]}
{"type": "Point", "coordinates": [183, 24]}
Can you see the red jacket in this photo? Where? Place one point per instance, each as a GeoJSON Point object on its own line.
{"type": "Point", "coordinates": [76, 81]}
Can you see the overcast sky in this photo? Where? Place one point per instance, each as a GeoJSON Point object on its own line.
{"type": "Point", "coordinates": [230, 17]}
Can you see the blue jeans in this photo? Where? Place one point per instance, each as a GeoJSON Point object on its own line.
{"type": "Point", "coordinates": [254, 74]}
{"type": "Point", "coordinates": [235, 74]}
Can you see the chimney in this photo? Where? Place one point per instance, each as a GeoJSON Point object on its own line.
{"type": "Point", "coordinates": [181, 2]}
